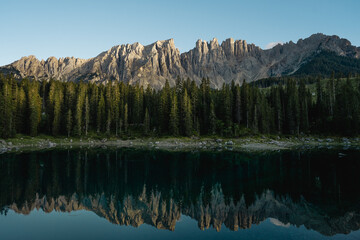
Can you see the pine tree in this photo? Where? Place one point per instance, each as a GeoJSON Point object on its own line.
{"type": "Point", "coordinates": [331, 94]}
{"type": "Point", "coordinates": [194, 97]}
{"type": "Point", "coordinates": [319, 103]}
{"type": "Point", "coordinates": [137, 104]}
{"type": "Point", "coordinates": [303, 105]}
{"type": "Point", "coordinates": [100, 113]}
{"type": "Point", "coordinates": [69, 122]}
{"type": "Point", "coordinates": [255, 110]}
{"type": "Point", "coordinates": [116, 102]}
{"type": "Point", "coordinates": [205, 104]}
{"type": "Point", "coordinates": [87, 114]}
{"type": "Point", "coordinates": [6, 108]}
{"type": "Point", "coordinates": [109, 107]}
{"type": "Point", "coordinates": [147, 122]}
{"type": "Point", "coordinates": [34, 108]}
{"type": "Point", "coordinates": [278, 108]}
{"type": "Point", "coordinates": [126, 120]}
{"type": "Point", "coordinates": [108, 122]}
{"type": "Point", "coordinates": [212, 119]}
{"type": "Point", "coordinates": [174, 121]}
{"type": "Point", "coordinates": [57, 105]}
{"type": "Point", "coordinates": [187, 118]}
{"type": "Point", "coordinates": [245, 101]}
{"type": "Point", "coordinates": [165, 106]}
{"type": "Point", "coordinates": [292, 108]}
{"type": "Point", "coordinates": [238, 105]}
{"type": "Point", "coordinates": [69, 105]}
{"type": "Point", "coordinates": [20, 110]}
{"type": "Point", "coordinates": [49, 103]}
{"type": "Point", "coordinates": [94, 102]}
{"type": "Point", "coordinates": [79, 114]}
{"type": "Point", "coordinates": [227, 106]}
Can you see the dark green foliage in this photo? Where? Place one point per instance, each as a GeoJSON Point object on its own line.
{"type": "Point", "coordinates": [126, 118]}
{"type": "Point", "coordinates": [186, 109]}
{"type": "Point", "coordinates": [187, 118]}
{"type": "Point", "coordinates": [34, 107]}
{"type": "Point", "coordinates": [147, 122]}
{"type": "Point", "coordinates": [7, 109]}
{"type": "Point", "coordinates": [212, 119]}
{"type": "Point", "coordinates": [325, 63]}
{"type": "Point", "coordinates": [69, 122]}
{"type": "Point", "coordinates": [100, 120]}
{"type": "Point", "coordinates": [173, 118]}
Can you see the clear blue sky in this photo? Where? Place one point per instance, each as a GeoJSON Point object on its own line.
{"type": "Point", "coordinates": [86, 28]}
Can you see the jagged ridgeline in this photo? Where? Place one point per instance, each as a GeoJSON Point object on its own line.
{"type": "Point", "coordinates": [232, 60]}
{"type": "Point", "coordinates": [329, 106]}
{"type": "Point", "coordinates": [133, 187]}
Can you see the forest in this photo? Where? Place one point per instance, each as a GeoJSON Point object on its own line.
{"type": "Point", "coordinates": [118, 109]}
{"type": "Point", "coordinates": [326, 62]}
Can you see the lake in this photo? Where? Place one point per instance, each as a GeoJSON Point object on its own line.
{"type": "Point", "coordinates": [155, 194]}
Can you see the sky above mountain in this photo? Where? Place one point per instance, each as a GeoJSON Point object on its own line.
{"type": "Point", "coordinates": [83, 28]}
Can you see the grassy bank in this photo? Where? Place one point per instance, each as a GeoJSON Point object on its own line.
{"type": "Point", "coordinates": [254, 143]}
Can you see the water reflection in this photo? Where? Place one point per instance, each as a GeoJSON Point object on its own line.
{"type": "Point", "coordinates": [131, 187]}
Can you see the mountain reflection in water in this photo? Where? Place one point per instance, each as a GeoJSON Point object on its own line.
{"type": "Point", "coordinates": [316, 189]}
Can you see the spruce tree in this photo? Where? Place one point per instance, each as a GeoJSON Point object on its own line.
{"type": "Point", "coordinates": [174, 121]}
{"type": "Point", "coordinates": [304, 107]}
{"type": "Point", "coordinates": [212, 119]}
{"type": "Point", "coordinates": [116, 103]}
{"type": "Point", "coordinates": [237, 105]}
{"type": "Point", "coordinates": [20, 110]}
{"type": "Point", "coordinates": [87, 114]}
{"type": "Point", "coordinates": [109, 107]}
{"type": "Point", "coordinates": [57, 106]}
{"type": "Point", "coordinates": [100, 113]}
{"type": "Point", "coordinates": [69, 118]}
{"type": "Point", "coordinates": [79, 114]}
{"type": "Point", "coordinates": [126, 118]}
{"type": "Point", "coordinates": [187, 118]}
{"type": "Point", "coordinates": [147, 122]}
{"type": "Point", "coordinates": [6, 108]}
{"type": "Point", "coordinates": [34, 108]}
{"type": "Point", "coordinates": [165, 106]}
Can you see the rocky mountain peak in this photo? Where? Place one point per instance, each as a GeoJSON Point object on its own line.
{"type": "Point", "coordinates": [228, 46]}
{"type": "Point", "coordinates": [232, 60]}
{"type": "Point", "coordinates": [214, 44]}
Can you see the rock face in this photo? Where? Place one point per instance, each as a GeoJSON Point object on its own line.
{"type": "Point", "coordinates": [153, 64]}
{"type": "Point", "coordinates": [51, 68]}
{"type": "Point", "coordinates": [146, 65]}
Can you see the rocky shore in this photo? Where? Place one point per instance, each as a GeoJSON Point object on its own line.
{"type": "Point", "coordinates": [261, 143]}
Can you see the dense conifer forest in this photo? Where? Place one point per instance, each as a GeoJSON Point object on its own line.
{"type": "Point", "coordinates": [186, 109]}
{"type": "Point", "coordinates": [325, 63]}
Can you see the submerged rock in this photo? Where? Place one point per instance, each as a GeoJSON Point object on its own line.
{"type": "Point", "coordinates": [229, 143]}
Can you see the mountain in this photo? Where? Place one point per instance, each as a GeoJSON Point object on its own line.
{"type": "Point", "coordinates": [153, 64]}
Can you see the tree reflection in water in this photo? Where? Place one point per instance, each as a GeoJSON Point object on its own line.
{"type": "Point", "coordinates": [132, 187]}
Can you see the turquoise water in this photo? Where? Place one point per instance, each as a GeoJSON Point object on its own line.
{"type": "Point", "coordinates": [137, 194]}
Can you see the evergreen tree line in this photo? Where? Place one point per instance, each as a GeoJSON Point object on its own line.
{"type": "Point", "coordinates": [186, 109]}
{"type": "Point", "coordinates": [326, 62]}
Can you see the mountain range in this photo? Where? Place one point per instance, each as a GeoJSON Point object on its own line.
{"type": "Point", "coordinates": [232, 60]}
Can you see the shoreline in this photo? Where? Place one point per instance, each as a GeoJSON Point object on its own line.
{"type": "Point", "coordinates": [262, 143]}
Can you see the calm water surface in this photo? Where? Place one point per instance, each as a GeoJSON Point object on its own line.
{"type": "Point", "coordinates": [137, 194]}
